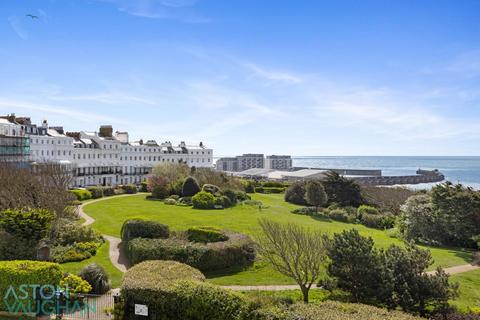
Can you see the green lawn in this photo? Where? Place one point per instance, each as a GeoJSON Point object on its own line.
{"type": "Point", "coordinates": [469, 289]}
{"type": "Point", "coordinates": [110, 215]}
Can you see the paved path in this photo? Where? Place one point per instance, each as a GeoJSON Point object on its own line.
{"type": "Point", "coordinates": [120, 261]}
{"type": "Point", "coordinates": [115, 251]}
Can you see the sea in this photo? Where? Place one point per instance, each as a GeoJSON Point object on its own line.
{"type": "Point", "coordinates": [465, 170]}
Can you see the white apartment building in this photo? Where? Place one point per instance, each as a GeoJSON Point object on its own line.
{"type": "Point", "coordinates": [105, 158]}
{"type": "Point", "coordinates": [278, 162]}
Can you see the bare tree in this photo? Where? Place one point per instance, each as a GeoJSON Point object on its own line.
{"type": "Point", "coordinates": [294, 251]}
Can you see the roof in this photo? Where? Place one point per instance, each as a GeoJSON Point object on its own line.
{"type": "Point", "coordinates": [256, 172]}
{"type": "Point", "coordinates": [5, 121]}
{"type": "Point", "coordinates": [303, 173]}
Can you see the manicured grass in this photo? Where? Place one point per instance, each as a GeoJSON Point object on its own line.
{"type": "Point", "coordinates": [100, 258]}
{"type": "Point", "coordinates": [469, 290]}
{"type": "Point", "coordinates": [110, 215]}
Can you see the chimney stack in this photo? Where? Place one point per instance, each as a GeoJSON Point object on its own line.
{"type": "Point", "coordinates": [106, 131]}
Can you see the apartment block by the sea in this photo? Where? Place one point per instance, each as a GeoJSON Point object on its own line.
{"type": "Point", "coordinates": [94, 158]}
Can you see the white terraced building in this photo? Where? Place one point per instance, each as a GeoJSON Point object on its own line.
{"type": "Point", "coordinates": [104, 158]}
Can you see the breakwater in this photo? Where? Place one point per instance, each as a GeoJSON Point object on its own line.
{"type": "Point", "coordinates": [422, 176]}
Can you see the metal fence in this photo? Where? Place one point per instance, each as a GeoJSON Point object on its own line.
{"type": "Point", "coordinates": [93, 307]}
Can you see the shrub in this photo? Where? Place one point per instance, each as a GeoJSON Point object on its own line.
{"type": "Point", "coordinates": [456, 315]}
{"type": "Point", "coordinates": [242, 196]}
{"type": "Point", "coordinates": [143, 229]}
{"type": "Point", "coordinates": [296, 193]}
{"type": "Point", "coordinates": [151, 282]}
{"type": "Point", "coordinates": [249, 186]}
{"type": "Point", "coordinates": [160, 192]}
{"type": "Point", "coordinates": [205, 301]}
{"type": "Point", "coordinates": [232, 197]}
{"type": "Point", "coordinates": [130, 188]}
{"type": "Point", "coordinates": [237, 251]}
{"type": "Point", "coordinates": [175, 197]}
{"type": "Point", "coordinates": [81, 194]}
{"type": "Point", "coordinates": [364, 209]}
{"type": "Point", "coordinates": [206, 234]}
{"type": "Point", "coordinates": [144, 186]}
{"type": "Point", "coordinates": [252, 203]}
{"type": "Point", "coordinates": [74, 284]}
{"type": "Point", "coordinates": [170, 201]}
{"type": "Point", "coordinates": [97, 277]}
{"type": "Point", "coordinates": [340, 215]}
{"type": "Point", "coordinates": [70, 233]}
{"type": "Point", "coordinates": [269, 190]}
{"type": "Point", "coordinates": [190, 187]}
{"type": "Point", "coordinates": [108, 191]}
{"type": "Point", "coordinates": [203, 200]}
{"type": "Point", "coordinates": [78, 252]}
{"type": "Point", "coordinates": [383, 221]}
{"type": "Point", "coordinates": [341, 190]}
{"type": "Point", "coordinates": [185, 200]}
{"type": "Point", "coordinates": [273, 184]}
{"type": "Point", "coordinates": [210, 188]}
{"type": "Point", "coordinates": [97, 192]}
{"type": "Point", "coordinates": [309, 211]}
{"type": "Point", "coordinates": [16, 273]}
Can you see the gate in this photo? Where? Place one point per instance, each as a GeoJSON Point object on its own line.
{"type": "Point", "coordinates": [95, 307]}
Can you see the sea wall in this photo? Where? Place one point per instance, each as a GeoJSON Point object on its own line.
{"type": "Point", "coordinates": [347, 172]}
{"type": "Point", "coordinates": [422, 176]}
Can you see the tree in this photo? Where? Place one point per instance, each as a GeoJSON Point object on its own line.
{"type": "Point", "coordinates": [296, 193]}
{"type": "Point", "coordinates": [387, 199]}
{"type": "Point", "coordinates": [190, 187]}
{"type": "Point", "coordinates": [293, 251]}
{"type": "Point", "coordinates": [158, 186]}
{"type": "Point", "coordinates": [414, 290]}
{"type": "Point", "coordinates": [343, 191]}
{"type": "Point", "coordinates": [315, 194]}
{"type": "Point", "coordinates": [358, 267]}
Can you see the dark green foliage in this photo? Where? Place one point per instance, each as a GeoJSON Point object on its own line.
{"type": "Point", "coordinates": [378, 221]}
{"type": "Point", "coordinates": [203, 200]}
{"type": "Point", "coordinates": [21, 231]}
{"type": "Point", "coordinates": [269, 190]}
{"type": "Point", "coordinates": [232, 197]}
{"type": "Point", "coordinates": [343, 191]}
{"type": "Point", "coordinates": [237, 251]}
{"type": "Point", "coordinates": [366, 209]}
{"type": "Point", "coordinates": [97, 277]}
{"type": "Point", "coordinates": [17, 273]}
{"type": "Point", "coordinates": [150, 283]}
{"type": "Point", "coordinates": [137, 228]}
{"type": "Point", "coordinates": [69, 233]}
{"type": "Point", "coordinates": [108, 191]}
{"type": "Point", "coordinates": [249, 186]}
{"type": "Point", "coordinates": [185, 200]}
{"type": "Point", "coordinates": [190, 187]}
{"type": "Point", "coordinates": [210, 188]}
{"type": "Point", "coordinates": [81, 194]}
{"type": "Point", "coordinates": [130, 188]}
{"type": "Point", "coordinates": [340, 214]}
{"type": "Point", "coordinates": [309, 211]}
{"type": "Point", "coordinates": [206, 234]}
{"type": "Point", "coordinates": [296, 193]}
{"type": "Point", "coordinates": [97, 192]}
{"type": "Point", "coordinates": [358, 267]}
{"type": "Point", "coordinates": [79, 251]}
{"type": "Point", "coordinates": [455, 315]}
{"type": "Point", "coordinates": [273, 184]}
{"type": "Point", "coordinates": [315, 194]}
{"type": "Point", "coordinates": [144, 186]}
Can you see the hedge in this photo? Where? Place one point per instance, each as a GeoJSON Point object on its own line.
{"type": "Point", "coordinates": [237, 251]}
{"type": "Point", "coordinates": [97, 192]}
{"type": "Point", "coordinates": [268, 190]}
{"type": "Point", "coordinates": [365, 209]}
{"type": "Point", "coordinates": [151, 283]}
{"type": "Point", "coordinates": [82, 194]}
{"type": "Point", "coordinates": [137, 228]}
{"type": "Point", "coordinates": [206, 234]}
{"type": "Point", "coordinates": [130, 188]}
{"type": "Point", "coordinates": [24, 272]}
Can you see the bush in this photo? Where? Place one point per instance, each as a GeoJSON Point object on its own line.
{"type": "Point", "coordinates": [308, 211]}
{"type": "Point", "coordinates": [249, 186]}
{"type": "Point", "coordinates": [203, 200]}
{"type": "Point", "coordinates": [74, 284]}
{"type": "Point", "coordinates": [144, 186]}
{"type": "Point", "coordinates": [340, 215]}
{"type": "Point", "coordinates": [456, 315]}
{"type": "Point", "coordinates": [108, 191]}
{"type": "Point", "coordinates": [237, 251]}
{"type": "Point", "coordinates": [205, 301]}
{"type": "Point", "coordinates": [143, 229]}
{"type": "Point", "coordinates": [269, 190]}
{"type": "Point", "coordinates": [175, 197]}
{"type": "Point", "coordinates": [210, 188]}
{"type": "Point", "coordinates": [383, 221]}
{"type": "Point", "coordinates": [78, 252]}
{"type": "Point", "coordinates": [185, 200]}
{"type": "Point", "coordinates": [81, 194]}
{"type": "Point", "coordinates": [17, 273]}
{"type": "Point", "coordinates": [160, 192]}
{"type": "Point", "coordinates": [296, 193]}
{"type": "Point", "coordinates": [364, 209]}
{"type": "Point", "coordinates": [150, 283]}
{"type": "Point", "coordinates": [97, 277]}
{"type": "Point", "coordinates": [190, 187]}
{"type": "Point", "coordinates": [97, 192]}
{"type": "Point", "coordinates": [70, 233]}
{"type": "Point", "coordinates": [273, 184]}
{"type": "Point", "coordinates": [206, 234]}
{"type": "Point", "coordinates": [130, 188]}
{"type": "Point", "coordinates": [232, 197]}
{"type": "Point", "coordinates": [170, 201]}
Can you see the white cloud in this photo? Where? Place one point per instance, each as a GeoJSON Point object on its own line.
{"type": "Point", "coordinates": [17, 25]}
{"type": "Point", "coordinates": [273, 75]}
{"type": "Point", "coordinates": [113, 98]}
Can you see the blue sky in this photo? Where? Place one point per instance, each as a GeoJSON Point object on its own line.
{"type": "Point", "coordinates": [297, 77]}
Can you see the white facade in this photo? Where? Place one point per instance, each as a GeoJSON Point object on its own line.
{"type": "Point", "coordinates": [105, 158]}
{"type": "Point", "coordinates": [278, 162]}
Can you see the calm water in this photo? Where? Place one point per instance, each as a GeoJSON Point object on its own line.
{"type": "Point", "coordinates": [465, 170]}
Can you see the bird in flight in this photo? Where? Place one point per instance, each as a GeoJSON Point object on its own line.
{"type": "Point", "coordinates": [31, 16]}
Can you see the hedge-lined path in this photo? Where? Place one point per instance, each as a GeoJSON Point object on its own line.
{"type": "Point", "coordinates": [120, 261]}
{"type": "Point", "coordinates": [115, 252]}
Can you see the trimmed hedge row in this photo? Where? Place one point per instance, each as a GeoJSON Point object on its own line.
{"type": "Point", "coordinates": [24, 272]}
{"type": "Point", "coordinates": [237, 251]}
{"type": "Point", "coordinates": [81, 194]}
{"type": "Point", "coordinates": [137, 228]}
{"type": "Point", "coordinates": [269, 190]}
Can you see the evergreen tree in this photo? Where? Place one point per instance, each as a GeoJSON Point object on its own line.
{"type": "Point", "coordinates": [190, 187]}
{"type": "Point", "coordinates": [315, 194]}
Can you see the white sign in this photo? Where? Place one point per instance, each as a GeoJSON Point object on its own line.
{"type": "Point", "coordinates": [141, 310]}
